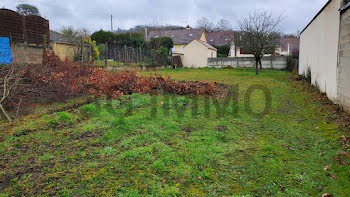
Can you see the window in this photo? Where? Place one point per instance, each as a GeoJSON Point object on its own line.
{"type": "Point", "coordinates": [173, 49]}
{"type": "Point", "coordinates": [211, 40]}
{"type": "Point", "coordinates": [172, 36]}
{"type": "Point", "coordinates": [156, 36]}
{"type": "Point", "coordinates": [190, 35]}
{"type": "Point", "coordinates": [182, 49]}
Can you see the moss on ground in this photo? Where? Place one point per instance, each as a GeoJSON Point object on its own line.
{"type": "Point", "coordinates": [161, 145]}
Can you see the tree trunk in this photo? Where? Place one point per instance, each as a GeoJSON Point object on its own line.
{"type": "Point", "coordinates": [257, 66]}
{"type": "Point", "coordinates": [260, 64]}
{"type": "Point", "coordinates": [5, 114]}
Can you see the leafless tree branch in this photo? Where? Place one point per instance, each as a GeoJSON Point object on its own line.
{"type": "Point", "coordinates": [10, 79]}
{"type": "Point", "coordinates": [260, 34]}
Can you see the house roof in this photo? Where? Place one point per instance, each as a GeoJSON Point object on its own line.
{"type": "Point", "coordinates": [294, 44]}
{"type": "Point", "coordinates": [207, 44]}
{"type": "Point", "coordinates": [324, 7]}
{"type": "Point", "coordinates": [180, 36]}
{"type": "Point", "coordinates": [58, 38]}
{"type": "Point", "coordinates": [220, 38]}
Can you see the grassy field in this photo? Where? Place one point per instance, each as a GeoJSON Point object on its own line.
{"type": "Point", "coordinates": [164, 146]}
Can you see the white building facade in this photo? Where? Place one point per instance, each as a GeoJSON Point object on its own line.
{"type": "Point", "coordinates": [319, 52]}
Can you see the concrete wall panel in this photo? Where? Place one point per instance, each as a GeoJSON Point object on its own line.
{"type": "Point", "coordinates": [319, 49]}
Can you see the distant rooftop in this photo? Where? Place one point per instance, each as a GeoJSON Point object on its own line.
{"type": "Point", "coordinates": [58, 38]}
{"type": "Point", "coordinates": [220, 38]}
{"type": "Point", "coordinates": [180, 36]}
{"type": "Point", "coordinates": [294, 44]}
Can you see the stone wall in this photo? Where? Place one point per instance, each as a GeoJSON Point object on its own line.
{"type": "Point", "coordinates": [27, 54]}
{"type": "Point", "coordinates": [273, 62]}
{"type": "Point", "coordinates": [343, 81]}
{"type": "Point", "coordinates": [70, 52]}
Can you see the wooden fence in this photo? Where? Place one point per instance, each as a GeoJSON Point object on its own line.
{"type": "Point", "coordinates": [24, 29]}
{"type": "Point", "coordinates": [139, 55]}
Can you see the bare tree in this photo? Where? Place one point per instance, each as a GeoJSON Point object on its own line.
{"type": "Point", "coordinates": [73, 35]}
{"type": "Point", "coordinates": [260, 34]}
{"type": "Point", "coordinates": [204, 23]}
{"type": "Point", "coordinates": [10, 79]}
{"type": "Point", "coordinates": [223, 25]}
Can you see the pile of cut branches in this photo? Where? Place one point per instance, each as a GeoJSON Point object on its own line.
{"type": "Point", "coordinates": [58, 80]}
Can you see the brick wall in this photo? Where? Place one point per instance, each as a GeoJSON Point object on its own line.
{"type": "Point", "coordinates": [343, 81]}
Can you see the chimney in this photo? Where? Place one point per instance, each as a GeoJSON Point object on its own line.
{"type": "Point", "coordinates": [188, 27]}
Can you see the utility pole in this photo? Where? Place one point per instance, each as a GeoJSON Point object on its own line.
{"type": "Point", "coordinates": [111, 22]}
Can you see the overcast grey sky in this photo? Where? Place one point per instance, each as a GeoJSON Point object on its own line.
{"type": "Point", "coordinates": [95, 14]}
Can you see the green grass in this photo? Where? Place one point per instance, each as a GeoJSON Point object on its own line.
{"type": "Point", "coordinates": [144, 145]}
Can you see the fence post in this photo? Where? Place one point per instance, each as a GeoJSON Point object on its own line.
{"type": "Point", "coordinates": [114, 53]}
{"type": "Point", "coordinates": [10, 37]}
{"type": "Point", "coordinates": [119, 54]}
{"type": "Point", "coordinates": [125, 53]}
{"type": "Point", "coordinates": [106, 55]}
{"type": "Point", "coordinates": [44, 49]}
{"type": "Point", "coordinates": [140, 54]}
{"type": "Point", "coordinates": [271, 61]}
{"type": "Point", "coordinates": [81, 49]}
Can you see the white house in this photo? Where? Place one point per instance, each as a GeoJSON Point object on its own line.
{"type": "Point", "coordinates": [196, 54]}
{"type": "Point", "coordinates": [289, 46]}
{"type": "Point", "coordinates": [185, 41]}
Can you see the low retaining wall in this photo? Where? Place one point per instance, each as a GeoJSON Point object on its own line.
{"type": "Point", "coordinates": [133, 68]}
{"type": "Point", "coordinates": [27, 54]}
{"type": "Point", "coordinates": [275, 62]}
